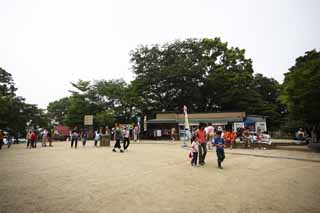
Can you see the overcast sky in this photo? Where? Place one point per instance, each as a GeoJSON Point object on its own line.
{"type": "Point", "coordinates": [46, 44]}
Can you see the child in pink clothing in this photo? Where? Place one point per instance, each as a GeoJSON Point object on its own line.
{"type": "Point", "coordinates": [194, 150]}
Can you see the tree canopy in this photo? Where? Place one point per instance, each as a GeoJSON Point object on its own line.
{"type": "Point", "coordinates": [301, 90]}
{"type": "Point", "coordinates": [15, 114]}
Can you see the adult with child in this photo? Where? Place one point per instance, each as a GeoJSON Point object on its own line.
{"type": "Point", "coordinates": [201, 139]}
{"type": "Point", "coordinates": [219, 143]}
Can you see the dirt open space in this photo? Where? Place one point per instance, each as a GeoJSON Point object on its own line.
{"type": "Point", "coordinates": [156, 178]}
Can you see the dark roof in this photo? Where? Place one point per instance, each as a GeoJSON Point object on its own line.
{"type": "Point", "coordinates": [213, 121]}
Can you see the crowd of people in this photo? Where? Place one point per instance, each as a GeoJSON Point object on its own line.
{"type": "Point", "coordinates": [207, 136]}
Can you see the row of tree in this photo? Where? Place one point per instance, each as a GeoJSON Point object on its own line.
{"type": "Point", "coordinates": [15, 114]}
{"type": "Point", "coordinates": [204, 74]}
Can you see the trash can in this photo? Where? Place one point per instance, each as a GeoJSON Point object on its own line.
{"type": "Point", "coordinates": [105, 140]}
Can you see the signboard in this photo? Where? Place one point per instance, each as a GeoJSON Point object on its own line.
{"type": "Point", "coordinates": [88, 120]}
{"type": "Point", "coordinates": [262, 126]}
{"type": "Point", "coordinates": [237, 125]}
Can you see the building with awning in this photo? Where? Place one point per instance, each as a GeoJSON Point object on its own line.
{"type": "Point", "coordinates": [161, 126]}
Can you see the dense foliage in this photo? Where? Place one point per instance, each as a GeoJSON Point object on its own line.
{"type": "Point", "coordinates": [301, 91]}
{"type": "Point", "coordinates": [16, 115]}
{"type": "Point", "coordinates": [204, 74]}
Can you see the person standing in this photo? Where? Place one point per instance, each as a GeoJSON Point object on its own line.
{"type": "Point", "coordinates": [118, 137]}
{"type": "Point", "coordinates": [201, 139]}
{"type": "Point", "coordinates": [96, 137]}
{"type": "Point", "coordinates": [246, 137]}
{"type": "Point", "coordinates": [232, 137]}
{"type": "Point", "coordinates": [126, 139]}
{"type": "Point", "coordinates": [84, 136]}
{"type": "Point", "coordinates": [44, 137]}
{"type": "Point", "coordinates": [173, 134]}
{"type": "Point", "coordinates": [49, 138]}
{"type": "Point", "coordinates": [1, 138]}
{"type": "Point", "coordinates": [28, 137]}
{"type": "Point", "coordinates": [33, 139]}
{"type": "Point", "coordinates": [136, 133]}
{"type": "Point", "coordinates": [209, 134]}
{"type": "Point", "coordinates": [74, 139]}
{"type": "Point", "coordinates": [219, 143]}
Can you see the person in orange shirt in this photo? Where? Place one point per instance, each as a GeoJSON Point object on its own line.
{"type": "Point", "coordinates": [201, 139]}
{"type": "Point", "coordinates": [226, 136]}
{"type": "Point", "coordinates": [232, 137]}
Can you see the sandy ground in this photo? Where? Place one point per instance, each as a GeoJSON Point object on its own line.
{"type": "Point", "coordinates": [154, 177]}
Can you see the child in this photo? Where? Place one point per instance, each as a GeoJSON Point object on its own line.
{"type": "Point", "coordinates": [219, 143]}
{"type": "Point", "coordinates": [194, 150]}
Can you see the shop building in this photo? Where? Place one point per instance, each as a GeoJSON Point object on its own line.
{"type": "Point", "coordinates": [162, 125]}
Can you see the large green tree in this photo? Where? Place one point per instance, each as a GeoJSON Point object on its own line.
{"type": "Point", "coordinates": [203, 74]}
{"type": "Point", "coordinates": [15, 114]}
{"type": "Point", "coordinates": [301, 91]}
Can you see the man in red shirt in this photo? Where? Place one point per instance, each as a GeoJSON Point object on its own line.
{"type": "Point", "coordinates": [201, 138]}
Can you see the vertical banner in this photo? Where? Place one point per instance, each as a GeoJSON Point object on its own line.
{"type": "Point", "coordinates": [186, 120]}
{"type": "Point", "coordinates": [139, 122]}
{"type": "Point", "coordinates": [145, 123]}
{"type": "Point", "coordinates": [187, 133]}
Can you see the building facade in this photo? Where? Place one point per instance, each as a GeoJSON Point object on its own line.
{"type": "Point", "coordinates": [162, 125]}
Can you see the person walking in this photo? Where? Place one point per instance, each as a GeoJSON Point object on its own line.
{"type": "Point", "coordinates": [126, 139]}
{"type": "Point", "coordinates": [201, 139]}
{"type": "Point", "coordinates": [219, 143]}
{"type": "Point", "coordinates": [74, 139]}
{"type": "Point", "coordinates": [118, 137]}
